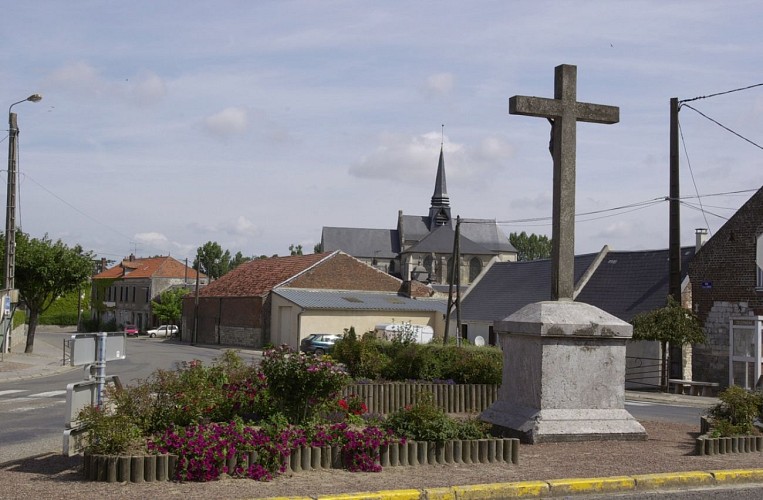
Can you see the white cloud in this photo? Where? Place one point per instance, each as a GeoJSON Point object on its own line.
{"type": "Point", "coordinates": [148, 88]}
{"type": "Point", "coordinates": [240, 226]}
{"type": "Point", "coordinates": [79, 77]}
{"type": "Point", "coordinates": [153, 242]}
{"type": "Point", "coordinates": [227, 123]}
{"type": "Point", "coordinates": [440, 83]}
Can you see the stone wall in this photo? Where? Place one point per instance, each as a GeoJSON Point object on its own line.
{"type": "Point", "coordinates": [711, 360]}
{"type": "Point", "coordinates": [241, 336]}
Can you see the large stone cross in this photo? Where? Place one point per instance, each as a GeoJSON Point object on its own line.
{"type": "Point", "coordinates": [564, 112]}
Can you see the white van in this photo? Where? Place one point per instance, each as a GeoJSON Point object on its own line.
{"type": "Point", "coordinates": [422, 334]}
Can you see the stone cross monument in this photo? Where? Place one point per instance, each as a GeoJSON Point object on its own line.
{"type": "Point", "coordinates": [564, 361]}
{"type": "Point", "coordinates": [564, 112]}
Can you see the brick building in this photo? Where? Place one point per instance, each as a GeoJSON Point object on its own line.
{"type": "Point", "coordinates": [281, 300]}
{"type": "Point", "coordinates": [727, 282]}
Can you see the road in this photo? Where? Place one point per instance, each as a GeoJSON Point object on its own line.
{"type": "Point", "coordinates": [32, 412]}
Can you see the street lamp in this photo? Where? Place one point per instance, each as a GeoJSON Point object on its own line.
{"type": "Point", "coordinates": [10, 217]}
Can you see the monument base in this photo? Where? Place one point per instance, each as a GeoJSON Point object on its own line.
{"type": "Point", "coordinates": [548, 426]}
{"type": "Point", "coordinates": [563, 375]}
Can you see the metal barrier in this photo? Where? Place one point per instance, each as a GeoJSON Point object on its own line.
{"type": "Point", "coordinates": [67, 351]}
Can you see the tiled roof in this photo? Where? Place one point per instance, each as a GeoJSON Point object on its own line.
{"type": "Point", "coordinates": [358, 300]}
{"type": "Point", "coordinates": [257, 277]}
{"type": "Point", "coordinates": [152, 267]}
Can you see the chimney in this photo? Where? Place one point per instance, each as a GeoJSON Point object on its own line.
{"type": "Point", "coordinates": [701, 238]}
{"type": "Point", "coordinates": [132, 257]}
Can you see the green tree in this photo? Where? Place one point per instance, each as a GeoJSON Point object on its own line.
{"type": "Point", "coordinates": [170, 305]}
{"type": "Point", "coordinates": [669, 325]}
{"type": "Point", "coordinates": [318, 248]}
{"type": "Point", "coordinates": [295, 249]}
{"type": "Point", "coordinates": [45, 271]}
{"type": "Point", "coordinates": [212, 260]}
{"type": "Point", "coordinates": [531, 247]}
{"type": "Point", "coordinates": [237, 260]}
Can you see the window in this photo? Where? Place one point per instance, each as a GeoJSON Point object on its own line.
{"type": "Point", "coordinates": [475, 268]}
{"type": "Point", "coordinates": [428, 264]}
{"type": "Point", "coordinates": [450, 276]}
{"type": "Point", "coordinates": [759, 261]}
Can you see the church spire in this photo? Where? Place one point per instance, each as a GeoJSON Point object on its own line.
{"type": "Point", "coordinates": [439, 212]}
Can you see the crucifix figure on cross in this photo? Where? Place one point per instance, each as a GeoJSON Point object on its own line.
{"type": "Point", "coordinates": [564, 112]}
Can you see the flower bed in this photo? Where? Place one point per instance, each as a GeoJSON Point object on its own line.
{"type": "Point", "coordinates": [290, 412]}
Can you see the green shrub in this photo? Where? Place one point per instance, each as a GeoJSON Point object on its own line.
{"type": "Point", "coordinates": [362, 357]}
{"type": "Point", "coordinates": [110, 433]}
{"type": "Point", "coordinates": [736, 412]}
{"type": "Point", "coordinates": [423, 421]}
{"type": "Point", "coordinates": [473, 365]}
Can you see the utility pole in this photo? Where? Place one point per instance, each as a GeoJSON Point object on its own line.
{"type": "Point", "coordinates": [674, 245]}
{"type": "Point", "coordinates": [454, 279]}
{"type": "Point", "coordinates": [10, 225]}
{"type": "Point", "coordinates": [194, 336]}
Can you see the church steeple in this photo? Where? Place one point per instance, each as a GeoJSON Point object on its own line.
{"type": "Point", "coordinates": [439, 212]}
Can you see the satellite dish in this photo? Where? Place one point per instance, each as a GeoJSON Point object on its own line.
{"type": "Point", "coordinates": [479, 341]}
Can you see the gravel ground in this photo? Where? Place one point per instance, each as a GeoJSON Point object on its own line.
{"type": "Point", "coordinates": [669, 449]}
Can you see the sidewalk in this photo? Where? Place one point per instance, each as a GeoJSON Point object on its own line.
{"type": "Point", "coordinates": [46, 360]}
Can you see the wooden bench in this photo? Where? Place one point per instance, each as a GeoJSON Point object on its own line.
{"type": "Point", "coordinates": [693, 387]}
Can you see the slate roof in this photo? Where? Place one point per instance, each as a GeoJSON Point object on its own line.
{"type": "Point", "coordinates": [506, 287]}
{"type": "Point", "coordinates": [362, 242]}
{"type": "Point", "coordinates": [441, 241]}
{"type": "Point", "coordinates": [258, 277]}
{"type": "Point", "coordinates": [624, 284]}
{"type": "Point", "coordinates": [356, 300]}
{"type": "Point", "coordinates": [152, 267]}
{"type": "Point", "coordinates": [628, 283]}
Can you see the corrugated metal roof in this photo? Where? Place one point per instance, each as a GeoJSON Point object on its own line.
{"type": "Point", "coordinates": [366, 301]}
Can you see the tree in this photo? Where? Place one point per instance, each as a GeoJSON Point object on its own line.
{"type": "Point", "coordinates": [531, 247]}
{"type": "Point", "coordinates": [295, 249]}
{"type": "Point", "coordinates": [237, 260]}
{"type": "Point", "coordinates": [671, 324]}
{"type": "Point", "coordinates": [46, 271]}
{"type": "Point", "coordinates": [318, 248]}
{"type": "Point", "coordinates": [214, 262]}
{"type": "Point", "coordinates": [170, 305]}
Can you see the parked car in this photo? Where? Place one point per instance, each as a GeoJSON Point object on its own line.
{"type": "Point", "coordinates": [319, 343]}
{"type": "Point", "coordinates": [166, 330]}
{"type": "Point", "coordinates": [131, 330]}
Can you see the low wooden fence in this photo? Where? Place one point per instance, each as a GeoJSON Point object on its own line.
{"type": "Point", "coordinates": [385, 398]}
{"type": "Point", "coordinates": [138, 469]}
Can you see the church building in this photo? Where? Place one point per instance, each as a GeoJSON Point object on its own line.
{"type": "Point", "coordinates": [421, 246]}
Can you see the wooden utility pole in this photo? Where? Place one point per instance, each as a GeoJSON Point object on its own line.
{"type": "Point", "coordinates": [674, 244]}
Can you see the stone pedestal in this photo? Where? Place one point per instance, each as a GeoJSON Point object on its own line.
{"type": "Point", "coordinates": [563, 375]}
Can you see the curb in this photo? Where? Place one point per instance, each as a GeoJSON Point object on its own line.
{"type": "Point", "coordinates": [561, 487]}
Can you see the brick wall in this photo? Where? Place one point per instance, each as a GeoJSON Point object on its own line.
{"type": "Point", "coordinates": [723, 277]}
{"type": "Point", "coordinates": [219, 316]}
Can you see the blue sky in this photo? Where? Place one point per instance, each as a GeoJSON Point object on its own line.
{"type": "Point", "coordinates": [254, 124]}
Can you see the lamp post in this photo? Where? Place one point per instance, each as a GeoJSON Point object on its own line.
{"type": "Point", "coordinates": [10, 218]}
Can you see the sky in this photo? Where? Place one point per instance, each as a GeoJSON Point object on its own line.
{"type": "Point", "coordinates": [167, 124]}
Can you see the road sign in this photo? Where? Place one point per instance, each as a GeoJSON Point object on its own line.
{"type": "Point", "coordinates": [82, 348]}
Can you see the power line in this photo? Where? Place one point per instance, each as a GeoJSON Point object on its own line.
{"type": "Point", "coordinates": [691, 172]}
{"type": "Point", "coordinates": [721, 93]}
{"type": "Point", "coordinates": [724, 127]}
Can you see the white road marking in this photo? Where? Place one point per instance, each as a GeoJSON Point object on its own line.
{"type": "Point", "coordinates": [51, 402]}
{"type": "Point", "coordinates": [48, 394]}
{"type": "Point", "coordinates": [11, 391]}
